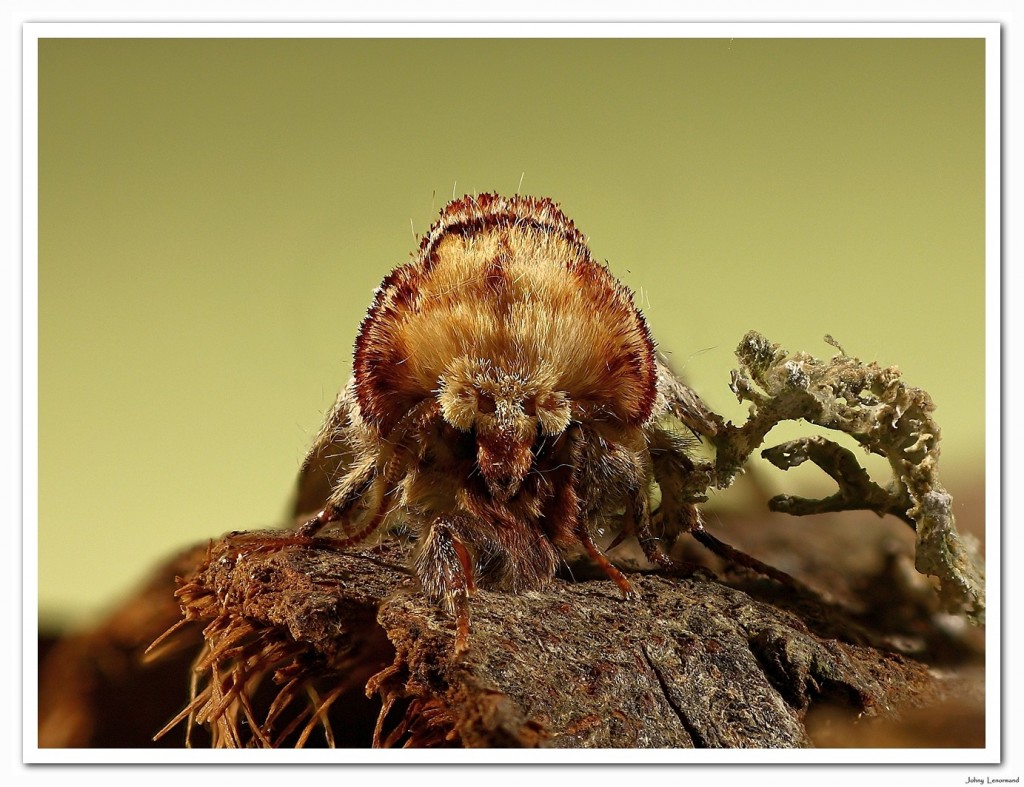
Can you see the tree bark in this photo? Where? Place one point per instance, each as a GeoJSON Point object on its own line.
{"type": "Point", "coordinates": [304, 645]}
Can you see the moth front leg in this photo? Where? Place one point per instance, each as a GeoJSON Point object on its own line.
{"type": "Point", "coordinates": [568, 518]}
{"type": "Point", "coordinates": [674, 472]}
{"type": "Point", "coordinates": [360, 486]}
{"type": "Point", "coordinates": [637, 521]}
{"type": "Point", "coordinates": [602, 562]}
{"type": "Point", "coordinates": [446, 571]}
{"type": "Point", "coordinates": [360, 490]}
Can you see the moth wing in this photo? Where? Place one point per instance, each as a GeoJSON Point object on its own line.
{"type": "Point", "coordinates": [678, 399]}
{"type": "Point", "coordinates": [332, 455]}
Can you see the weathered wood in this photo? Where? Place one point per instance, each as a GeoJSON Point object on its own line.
{"type": "Point", "coordinates": [691, 663]}
{"type": "Point", "coordinates": [694, 661]}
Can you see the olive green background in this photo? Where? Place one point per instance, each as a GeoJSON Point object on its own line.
{"type": "Point", "coordinates": [214, 216]}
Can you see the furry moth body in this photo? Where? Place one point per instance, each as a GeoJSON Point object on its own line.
{"type": "Point", "coordinates": [506, 402]}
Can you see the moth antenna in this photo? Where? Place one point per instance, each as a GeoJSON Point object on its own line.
{"type": "Point", "coordinates": [734, 555]}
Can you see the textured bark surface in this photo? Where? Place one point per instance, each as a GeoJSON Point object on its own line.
{"type": "Point", "coordinates": [296, 639]}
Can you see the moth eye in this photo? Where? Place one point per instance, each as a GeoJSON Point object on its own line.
{"type": "Point", "coordinates": [485, 404]}
{"type": "Point", "coordinates": [553, 412]}
{"type": "Point", "coordinates": [530, 406]}
{"type": "Point", "coordinates": [550, 401]}
{"type": "Point", "coordinates": [458, 406]}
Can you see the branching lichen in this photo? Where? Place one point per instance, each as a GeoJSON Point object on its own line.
{"type": "Point", "coordinates": [882, 413]}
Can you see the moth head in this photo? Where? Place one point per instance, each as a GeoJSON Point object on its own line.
{"type": "Point", "coordinates": [507, 412]}
{"type": "Point", "coordinates": [475, 394]}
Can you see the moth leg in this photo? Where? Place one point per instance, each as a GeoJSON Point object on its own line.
{"type": "Point", "coordinates": [373, 493]}
{"type": "Point", "coordinates": [320, 520]}
{"type": "Point", "coordinates": [604, 563]}
{"type": "Point", "coordinates": [637, 521]}
{"type": "Point", "coordinates": [306, 535]}
{"type": "Point", "coordinates": [576, 529]}
{"type": "Point", "coordinates": [357, 485]}
{"type": "Point", "coordinates": [677, 514]}
{"type": "Point", "coordinates": [674, 472]}
{"type": "Point", "coordinates": [446, 571]}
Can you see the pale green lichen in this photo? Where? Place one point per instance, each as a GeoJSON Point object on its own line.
{"type": "Point", "coordinates": [887, 417]}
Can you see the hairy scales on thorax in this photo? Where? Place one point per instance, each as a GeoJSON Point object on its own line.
{"type": "Point", "coordinates": [506, 402]}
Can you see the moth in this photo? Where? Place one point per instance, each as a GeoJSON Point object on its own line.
{"type": "Point", "coordinates": [506, 405]}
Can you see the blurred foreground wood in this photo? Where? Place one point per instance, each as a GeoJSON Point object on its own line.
{"type": "Point", "coordinates": [308, 646]}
